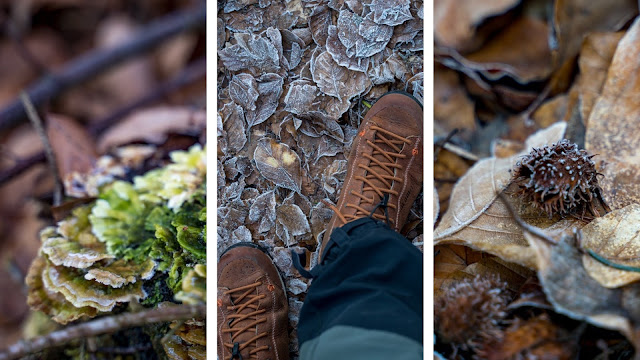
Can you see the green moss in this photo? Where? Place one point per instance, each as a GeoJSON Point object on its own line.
{"type": "Point", "coordinates": [161, 215]}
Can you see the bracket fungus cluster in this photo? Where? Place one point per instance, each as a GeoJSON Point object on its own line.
{"type": "Point", "coordinates": [143, 241]}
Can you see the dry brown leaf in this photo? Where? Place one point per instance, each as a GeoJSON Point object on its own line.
{"type": "Point", "coordinates": [453, 109]}
{"type": "Point", "coordinates": [550, 111]}
{"type": "Point", "coordinates": [616, 237]}
{"type": "Point", "coordinates": [455, 21]}
{"type": "Point", "coordinates": [319, 22]}
{"type": "Point", "coordinates": [278, 164]}
{"type": "Point", "coordinates": [475, 219]}
{"type": "Point", "coordinates": [574, 19]}
{"type": "Point", "coordinates": [534, 338]}
{"type": "Point", "coordinates": [612, 130]}
{"type": "Point", "coordinates": [450, 259]}
{"type": "Point", "coordinates": [595, 58]}
{"type": "Point", "coordinates": [72, 145]}
{"type": "Point", "coordinates": [233, 124]}
{"type": "Point", "coordinates": [153, 125]}
{"type": "Point", "coordinates": [521, 51]}
{"type": "Point", "coordinates": [574, 293]}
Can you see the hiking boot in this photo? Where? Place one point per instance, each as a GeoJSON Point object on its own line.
{"type": "Point", "coordinates": [384, 175]}
{"type": "Point", "coordinates": [252, 306]}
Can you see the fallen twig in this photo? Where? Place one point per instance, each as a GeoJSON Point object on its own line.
{"type": "Point", "coordinates": [97, 62]}
{"type": "Point", "coordinates": [21, 166]}
{"type": "Point", "coordinates": [48, 150]}
{"type": "Point", "coordinates": [102, 326]}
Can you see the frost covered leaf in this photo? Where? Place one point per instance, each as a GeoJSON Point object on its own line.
{"type": "Point", "coordinates": [233, 5]}
{"type": "Point", "coordinates": [328, 146]}
{"type": "Point", "coordinates": [388, 71]}
{"type": "Point", "coordinates": [319, 22]}
{"type": "Point", "coordinates": [263, 210]}
{"type": "Point", "coordinates": [243, 91]}
{"type": "Point", "coordinates": [278, 164]}
{"type": "Point", "coordinates": [612, 130]}
{"type": "Point", "coordinates": [251, 52]}
{"type": "Point", "coordinates": [361, 36]}
{"type": "Point", "coordinates": [337, 81]}
{"type": "Point", "coordinates": [616, 237]}
{"type": "Point", "coordinates": [391, 12]}
{"type": "Point", "coordinates": [300, 97]}
{"type": "Point", "coordinates": [241, 234]}
{"type": "Point", "coordinates": [233, 120]}
{"type": "Point", "coordinates": [317, 123]}
{"type": "Point", "coordinates": [293, 219]}
{"type": "Point", "coordinates": [407, 33]}
{"type": "Point", "coordinates": [333, 176]}
{"type": "Point", "coordinates": [339, 53]}
{"type": "Point", "coordinates": [270, 89]}
{"type": "Point", "coordinates": [320, 216]}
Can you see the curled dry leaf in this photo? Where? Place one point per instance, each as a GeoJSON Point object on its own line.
{"type": "Point", "coordinates": [521, 51]}
{"type": "Point", "coordinates": [612, 130]}
{"type": "Point", "coordinates": [455, 22]}
{"type": "Point", "coordinates": [337, 81]}
{"type": "Point", "coordinates": [475, 219]}
{"type": "Point", "coordinates": [157, 123]}
{"type": "Point", "coordinates": [616, 237]}
{"type": "Point", "coordinates": [573, 19]}
{"type": "Point", "coordinates": [73, 147]}
{"type": "Point", "coordinates": [278, 164]}
{"type": "Point", "coordinates": [574, 293]}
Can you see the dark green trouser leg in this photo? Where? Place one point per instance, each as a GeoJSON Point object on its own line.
{"type": "Point", "coordinates": [365, 301]}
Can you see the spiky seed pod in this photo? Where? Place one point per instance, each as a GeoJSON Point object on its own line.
{"type": "Point", "coordinates": [558, 178]}
{"type": "Point", "coordinates": [469, 313]}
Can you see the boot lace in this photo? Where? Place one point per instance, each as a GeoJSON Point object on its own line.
{"type": "Point", "coordinates": [379, 177]}
{"type": "Point", "coordinates": [245, 306]}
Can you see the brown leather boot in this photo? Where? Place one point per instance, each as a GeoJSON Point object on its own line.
{"type": "Point", "coordinates": [252, 306]}
{"type": "Point", "coordinates": [385, 159]}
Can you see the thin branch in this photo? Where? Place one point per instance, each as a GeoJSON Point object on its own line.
{"type": "Point", "coordinates": [48, 150]}
{"type": "Point", "coordinates": [20, 167]}
{"type": "Point", "coordinates": [189, 75]}
{"type": "Point", "coordinates": [103, 326]}
{"type": "Point", "coordinates": [94, 63]}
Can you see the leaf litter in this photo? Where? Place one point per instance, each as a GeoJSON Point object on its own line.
{"type": "Point", "coordinates": [498, 96]}
{"type": "Point", "coordinates": [293, 75]}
